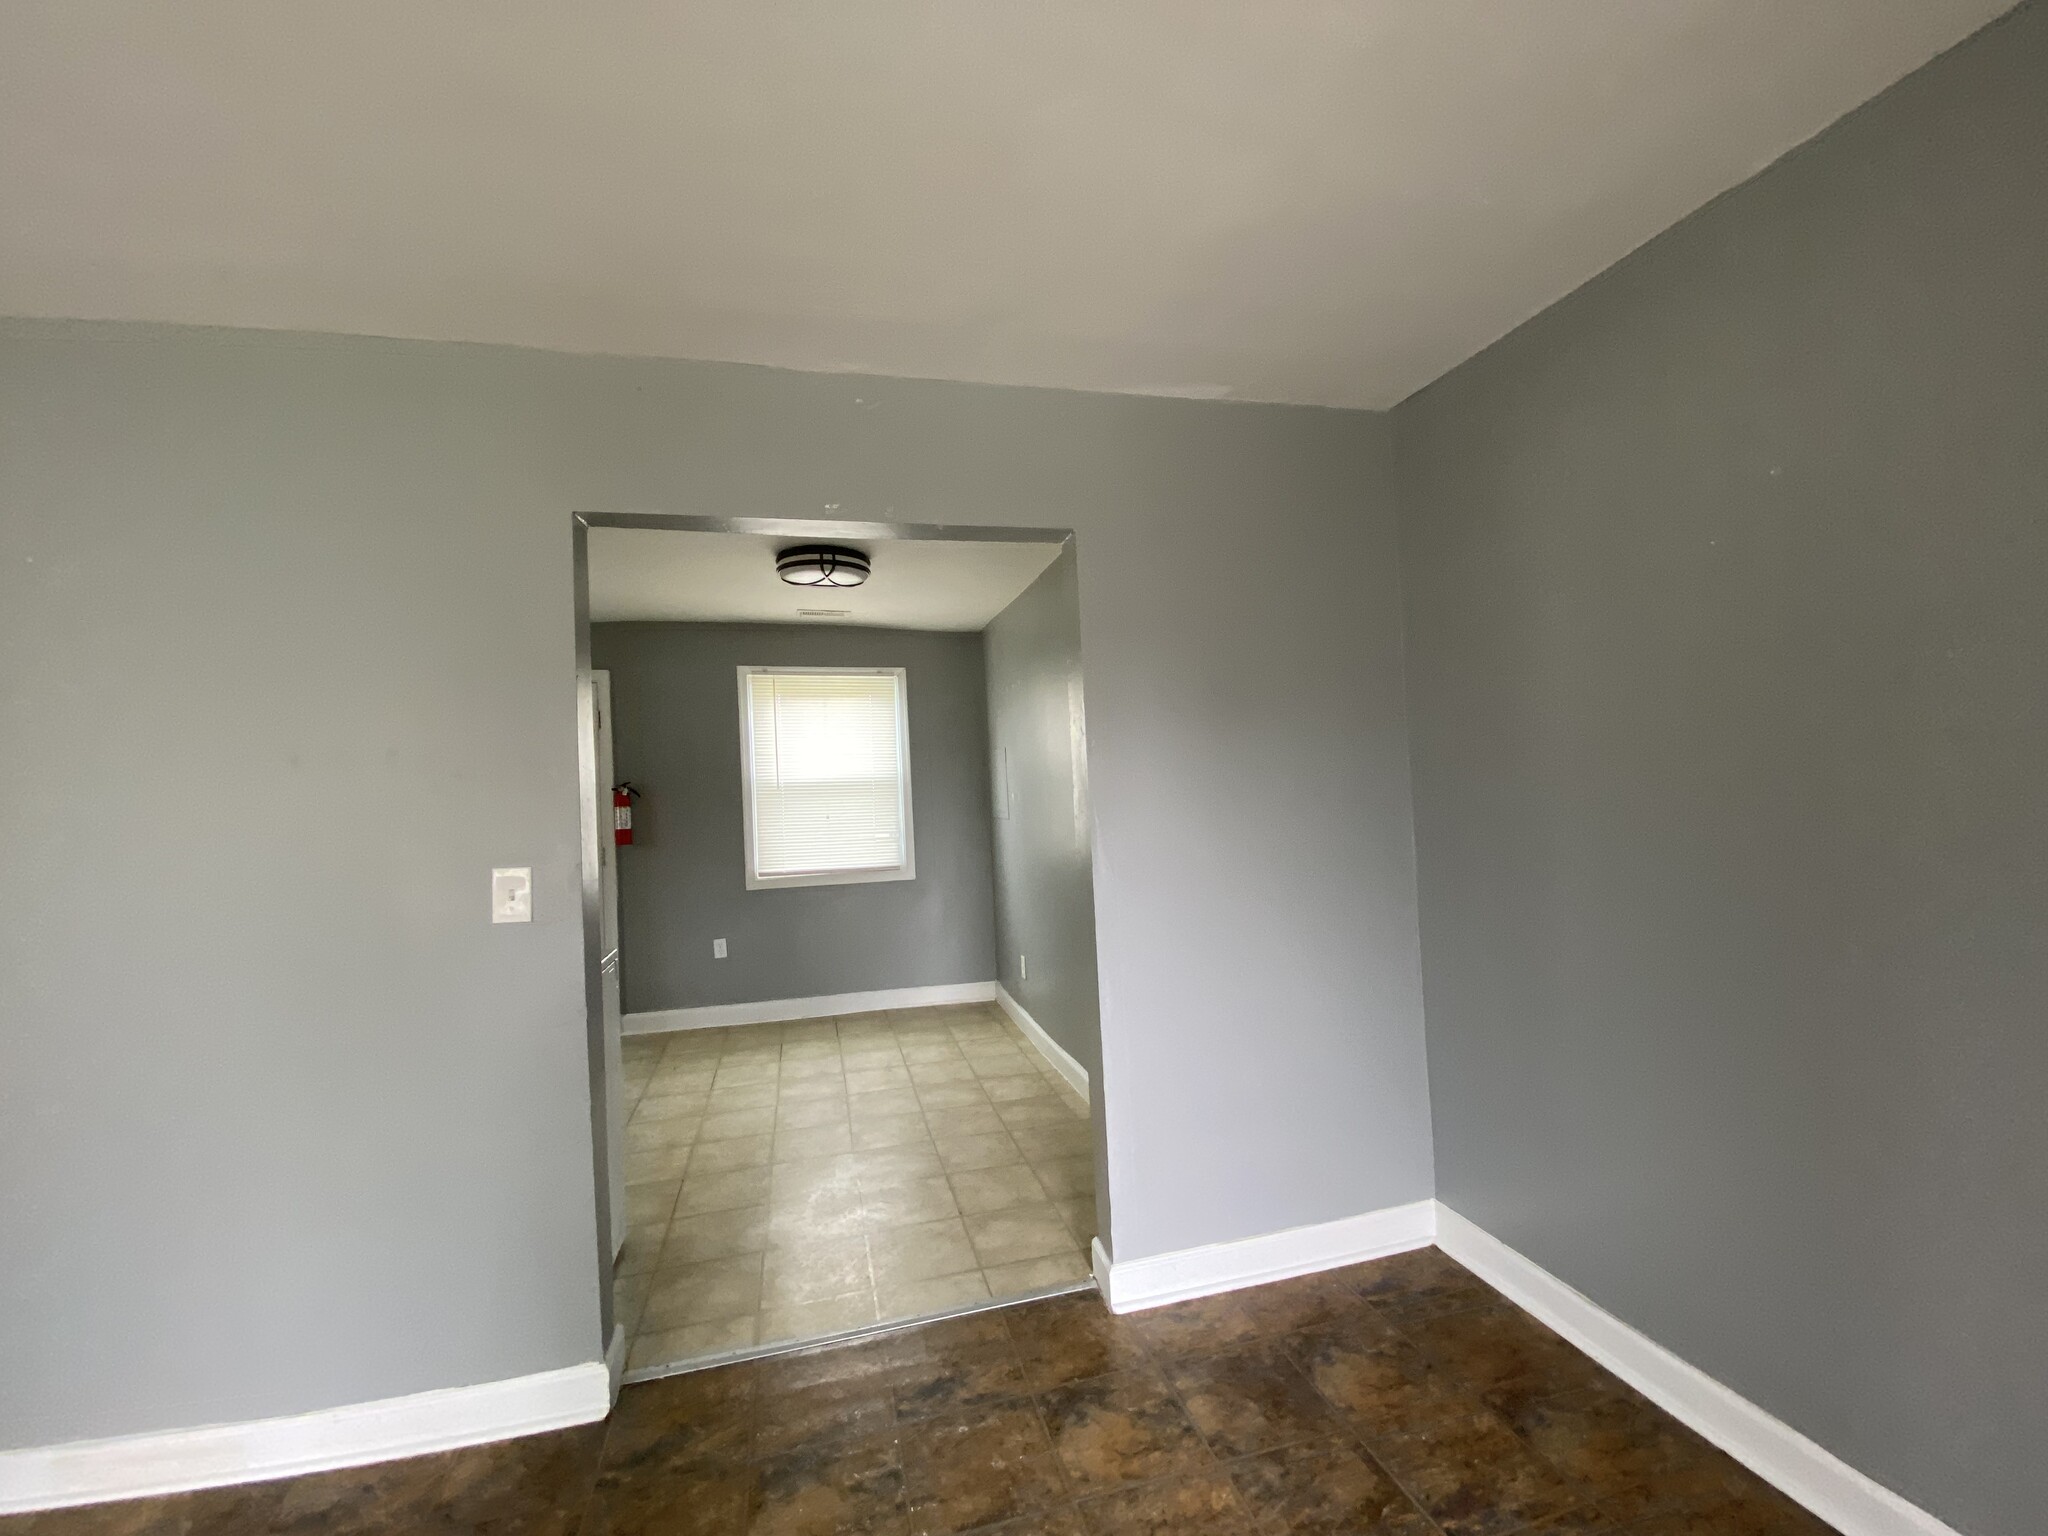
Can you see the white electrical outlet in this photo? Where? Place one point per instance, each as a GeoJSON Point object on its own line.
{"type": "Point", "coordinates": [718, 949]}
{"type": "Point", "coordinates": [512, 895]}
{"type": "Point", "coordinates": [1023, 969]}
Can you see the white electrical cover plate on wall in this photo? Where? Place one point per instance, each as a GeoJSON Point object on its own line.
{"type": "Point", "coordinates": [512, 895]}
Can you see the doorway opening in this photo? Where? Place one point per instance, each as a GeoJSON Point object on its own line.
{"type": "Point", "coordinates": [839, 924]}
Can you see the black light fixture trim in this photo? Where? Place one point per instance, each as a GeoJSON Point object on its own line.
{"type": "Point", "coordinates": [821, 565]}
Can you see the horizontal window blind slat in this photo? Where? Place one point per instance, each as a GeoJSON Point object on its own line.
{"type": "Point", "coordinates": [826, 773]}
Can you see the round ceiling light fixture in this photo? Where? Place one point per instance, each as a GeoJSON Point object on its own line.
{"type": "Point", "coordinates": [821, 565]}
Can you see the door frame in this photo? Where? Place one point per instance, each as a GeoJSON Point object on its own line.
{"type": "Point", "coordinates": [595, 823]}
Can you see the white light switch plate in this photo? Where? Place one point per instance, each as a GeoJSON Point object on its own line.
{"type": "Point", "coordinates": [512, 895]}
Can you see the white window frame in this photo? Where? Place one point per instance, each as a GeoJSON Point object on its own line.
{"type": "Point", "coordinates": [759, 882]}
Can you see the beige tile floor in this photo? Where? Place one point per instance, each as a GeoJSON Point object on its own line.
{"type": "Point", "coordinates": [785, 1181]}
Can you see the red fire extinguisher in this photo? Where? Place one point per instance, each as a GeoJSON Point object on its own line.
{"type": "Point", "coordinates": [623, 796]}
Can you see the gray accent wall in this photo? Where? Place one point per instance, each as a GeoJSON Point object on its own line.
{"type": "Point", "coordinates": [676, 735]}
{"type": "Point", "coordinates": [1045, 875]}
{"type": "Point", "coordinates": [1045, 869]}
{"type": "Point", "coordinates": [1728, 591]}
{"type": "Point", "coordinates": [286, 1122]}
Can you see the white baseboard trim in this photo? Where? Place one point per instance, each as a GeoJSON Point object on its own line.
{"type": "Point", "coordinates": [1846, 1499]}
{"type": "Point", "coordinates": [1135, 1284]}
{"type": "Point", "coordinates": [137, 1466]}
{"type": "Point", "coordinates": [779, 1010]}
{"type": "Point", "coordinates": [1075, 1074]}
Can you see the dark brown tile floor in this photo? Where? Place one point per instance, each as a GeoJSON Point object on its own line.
{"type": "Point", "coordinates": [1397, 1398]}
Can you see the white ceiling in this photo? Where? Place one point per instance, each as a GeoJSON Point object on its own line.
{"type": "Point", "coordinates": [1329, 201]}
{"type": "Point", "coordinates": [647, 573]}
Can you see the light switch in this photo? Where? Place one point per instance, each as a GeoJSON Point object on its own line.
{"type": "Point", "coordinates": [718, 949]}
{"type": "Point", "coordinates": [512, 895]}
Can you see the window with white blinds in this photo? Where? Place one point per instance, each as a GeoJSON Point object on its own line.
{"type": "Point", "coordinates": [826, 764]}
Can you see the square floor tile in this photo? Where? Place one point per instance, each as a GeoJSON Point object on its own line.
{"type": "Point", "coordinates": [1079, 1215]}
{"type": "Point", "coordinates": [682, 1106]}
{"type": "Point", "coordinates": [963, 1471]}
{"type": "Point", "coordinates": [881, 1103]}
{"type": "Point", "coordinates": [1072, 1338]}
{"type": "Point", "coordinates": [838, 1170]}
{"type": "Point", "coordinates": [906, 1204]}
{"type": "Point", "coordinates": [812, 1141]}
{"type": "Point", "coordinates": [995, 1189]}
{"type": "Point", "coordinates": [1003, 1090]}
{"type": "Point", "coordinates": [972, 1120]}
{"type": "Point", "coordinates": [1326, 1486]}
{"type": "Point", "coordinates": [746, 1096]}
{"type": "Point", "coordinates": [723, 1125]}
{"type": "Point", "coordinates": [1473, 1476]}
{"type": "Point", "coordinates": [918, 1298]}
{"type": "Point", "coordinates": [817, 1214]}
{"type": "Point", "coordinates": [1632, 1457]}
{"type": "Point", "coordinates": [1120, 1429]}
{"type": "Point", "coordinates": [817, 1318]}
{"type": "Point", "coordinates": [1197, 1504]}
{"type": "Point", "coordinates": [1048, 1143]}
{"type": "Point", "coordinates": [1251, 1399]}
{"type": "Point", "coordinates": [929, 1074]}
{"type": "Point", "coordinates": [1066, 1177]}
{"type": "Point", "coordinates": [648, 1135]}
{"type": "Point", "coordinates": [890, 1166]}
{"type": "Point", "coordinates": [956, 1095]}
{"type": "Point", "coordinates": [885, 1131]}
{"type": "Point", "coordinates": [718, 1234]}
{"type": "Point", "coordinates": [1021, 1114]}
{"type": "Point", "coordinates": [922, 1251]}
{"type": "Point", "coordinates": [651, 1204]}
{"type": "Point", "coordinates": [642, 1248]}
{"type": "Point", "coordinates": [667, 1345]}
{"type": "Point", "coordinates": [815, 1271]}
{"type": "Point", "coordinates": [722, 1191]}
{"type": "Point", "coordinates": [802, 1114]}
{"type": "Point", "coordinates": [798, 1066]}
{"type": "Point", "coordinates": [1020, 1232]}
{"type": "Point", "coordinates": [960, 1154]}
{"type": "Point", "coordinates": [701, 1293]}
{"type": "Point", "coordinates": [812, 1090]}
{"type": "Point", "coordinates": [723, 1156]}
{"type": "Point", "coordinates": [1027, 1275]}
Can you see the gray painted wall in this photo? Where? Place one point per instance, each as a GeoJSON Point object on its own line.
{"type": "Point", "coordinates": [1728, 582]}
{"type": "Point", "coordinates": [1045, 870]}
{"type": "Point", "coordinates": [286, 1123]}
{"type": "Point", "coordinates": [1045, 878]}
{"type": "Point", "coordinates": [676, 734]}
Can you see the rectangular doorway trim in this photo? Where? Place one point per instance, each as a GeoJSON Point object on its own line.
{"type": "Point", "coordinates": [214, 1455]}
{"type": "Point", "coordinates": [1852, 1503]}
{"type": "Point", "coordinates": [1132, 1285]}
{"type": "Point", "coordinates": [779, 1010]}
